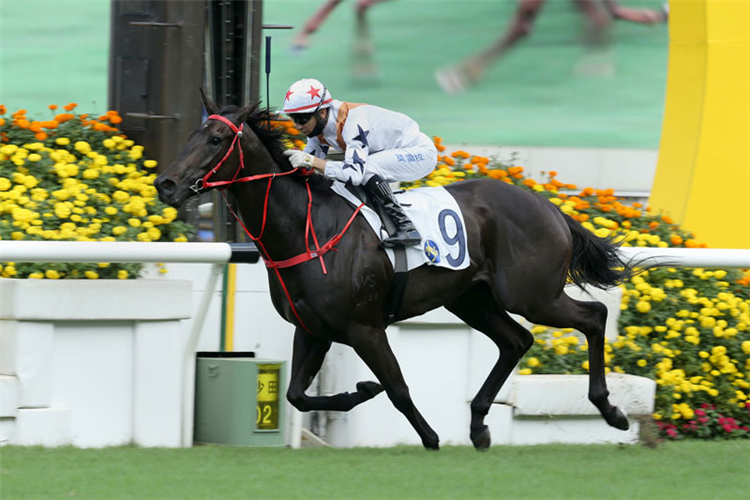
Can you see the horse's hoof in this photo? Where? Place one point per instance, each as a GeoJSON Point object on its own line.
{"type": "Point", "coordinates": [432, 446]}
{"type": "Point", "coordinates": [618, 419]}
{"type": "Point", "coordinates": [372, 389]}
{"type": "Point", "coordinates": [482, 440]}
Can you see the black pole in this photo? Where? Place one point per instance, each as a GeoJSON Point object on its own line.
{"type": "Point", "coordinates": [268, 76]}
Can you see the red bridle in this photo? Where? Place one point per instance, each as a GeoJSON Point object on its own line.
{"type": "Point", "coordinates": [309, 229]}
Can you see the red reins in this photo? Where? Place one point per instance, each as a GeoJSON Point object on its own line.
{"type": "Point", "coordinates": [319, 251]}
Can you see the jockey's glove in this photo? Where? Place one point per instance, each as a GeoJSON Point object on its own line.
{"type": "Point", "coordinates": [300, 159]}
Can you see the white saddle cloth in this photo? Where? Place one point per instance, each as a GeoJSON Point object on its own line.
{"type": "Point", "coordinates": [437, 217]}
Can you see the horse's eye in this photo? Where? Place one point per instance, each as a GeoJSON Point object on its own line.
{"type": "Point", "coordinates": [215, 141]}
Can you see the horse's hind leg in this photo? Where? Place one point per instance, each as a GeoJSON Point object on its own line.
{"type": "Point", "coordinates": [307, 359]}
{"type": "Point", "coordinates": [479, 310]}
{"type": "Point", "coordinates": [371, 344]}
{"type": "Point", "coordinates": [589, 318]}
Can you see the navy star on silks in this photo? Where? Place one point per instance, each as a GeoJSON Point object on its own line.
{"type": "Point", "coordinates": [359, 161]}
{"type": "Point", "coordinates": [362, 137]}
{"type": "Point", "coordinates": [347, 165]}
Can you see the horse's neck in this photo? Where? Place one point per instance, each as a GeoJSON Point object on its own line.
{"type": "Point", "coordinates": [285, 213]}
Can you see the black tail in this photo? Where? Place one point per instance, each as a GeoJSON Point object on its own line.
{"type": "Point", "coordinates": [595, 260]}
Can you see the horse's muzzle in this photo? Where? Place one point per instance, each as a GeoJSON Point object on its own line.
{"type": "Point", "coordinates": [167, 188]}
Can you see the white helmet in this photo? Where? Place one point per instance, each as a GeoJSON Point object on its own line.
{"type": "Point", "coordinates": [306, 96]}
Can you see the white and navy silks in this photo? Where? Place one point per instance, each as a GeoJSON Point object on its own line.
{"type": "Point", "coordinates": [374, 141]}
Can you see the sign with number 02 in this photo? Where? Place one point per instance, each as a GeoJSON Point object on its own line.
{"type": "Point", "coordinates": [267, 409]}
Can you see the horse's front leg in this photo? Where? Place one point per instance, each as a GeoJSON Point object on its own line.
{"type": "Point", "coordinates": [371, 344]}
{"type": "Point", "coordinates": [309, 352]}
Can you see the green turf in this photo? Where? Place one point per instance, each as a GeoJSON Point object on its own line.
{"type": "Point", "coordinates": [685, 470]}
{"type": "Point", "coordinates": [56, 51]}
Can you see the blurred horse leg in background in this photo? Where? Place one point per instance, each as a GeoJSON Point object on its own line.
{"type": "Point", "coordinates": [364, 67]}
{"type": "Point", "coordinates": [460, 77]}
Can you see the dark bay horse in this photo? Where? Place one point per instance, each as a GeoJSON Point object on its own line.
{"type": "Point", "coordinates": [522, 251]}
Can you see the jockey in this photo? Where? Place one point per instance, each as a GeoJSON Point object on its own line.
{"type": "Point", "coordinates": [379, 146]}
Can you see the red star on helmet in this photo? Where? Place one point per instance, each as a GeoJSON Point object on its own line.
{"type": "Point", "coordinates": [313, 92]}
{"type": "Point", "coordinates": [288, 93]}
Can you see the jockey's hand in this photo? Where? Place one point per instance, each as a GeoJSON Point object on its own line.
{"type": "Point", "coordinates": [300, 159]}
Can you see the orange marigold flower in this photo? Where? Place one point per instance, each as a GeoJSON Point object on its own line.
{"type": "Point", "coordinates": [437, 139]}
{"type": "Point", "coordinates": [40, 136]}
{"type": "Point", "coordinates": [2, 109]}
{"type": "Point", "coordinates": [626, 224]}
{"type": "Point", "coordinates": [552, 173]}
{"type": "Point", "coordinates": [529, 182]}
{"type": "Point", "coordinates": [440, 147]}
{"type": "Point", "coordinates": [449, 161]}
{"type": "Point", "coordinates": [469, 166]}
{"type": "Point", "coordinates": [518, 176]}
{"type": "Point", "coordinates": [52, 107]}
{"type": "Point", "coordinates": [292, 131]}
{"type": "Point", "coordinates": [515, 170]}
{"type": "Point", "coordinates": [64, 117]}
{"type": "Point", "coordinates": [103, 118]}
{"type": "Point", "coordinates": [70, 106]}
{"type": "Point", "coordinates": [676, 239]}
{"type": "Point", "coordinates": [653, 224]}
{"type": "Point", "coordinates": [667, 219]}
{"type": "Point", "coordinates": [115, 119]}
{"type": "Point", "coordinates": [2, 122]}
{"type": "Point", "coordinates": [691, 243]}
{"type": "Point", "coordinates": [35, 127]}
{"type": "Point", "coordinates": [23, 123]}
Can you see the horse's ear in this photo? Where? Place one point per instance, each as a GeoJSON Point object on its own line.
{"type": "Point", "coordinates": [244, 113]}
{"type": "Point", "coordinates": [210, 106]}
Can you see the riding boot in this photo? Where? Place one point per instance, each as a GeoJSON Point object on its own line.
{"type": "Point", "coordinates": [406, 233]}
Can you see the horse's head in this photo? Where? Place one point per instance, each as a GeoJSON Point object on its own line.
{"type": "Point", "coordinates": [205, 157]}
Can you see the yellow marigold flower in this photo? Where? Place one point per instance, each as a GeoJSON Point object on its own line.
{"type": "Point", "coordinates": [62, 141]}
{"type": "Point", "coordinates": [118, 230]}
{"type": "Point", "coordinates": [36, 276]}
{"type": "Point", "coordinates": [181, 238]}
{"type": "Point", "coordinates": [17, 235]}
{"type": "Point", "coordinates": [122, 274]}
{"type": "Point", "coordinates": [153, 233]}
{"type": "Point", "coordinates": [149, 163]}
{"type": "Point", "coordinates": [533, 362]}
{"type": "Point", "coordinates": [643, 306]}
{"type": "Point", "coordinates": [134, 222]}
{"type": "Point", "coordinates": [110, 210]}
{"type": "Point", "coordinates": [524, 371]}
{"type": "Point", "coordinates": [52, 274]}
{"type": "Point", "coordinates": [92, 275]}
{"type": "Point", "coordinates": [642, 363]}
{"type": "Point", "coordinates": [143, 237]}
{"type": "Point", "coordinates": [585, 365]}
{"type": "Point", "coordinates": [746, 346]}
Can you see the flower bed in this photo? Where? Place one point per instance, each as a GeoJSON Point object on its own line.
{"type": "Point", "coordinates": [75, 177]}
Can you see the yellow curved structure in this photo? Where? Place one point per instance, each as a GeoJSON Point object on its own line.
{"type": "Point", "coordinates": [703, 174]}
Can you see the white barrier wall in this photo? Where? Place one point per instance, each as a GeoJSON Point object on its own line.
{"type": "Point", "coordinates": [92, 363]}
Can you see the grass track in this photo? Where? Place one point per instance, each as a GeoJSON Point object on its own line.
{"type": "Point", "coordinates": [685, 470]}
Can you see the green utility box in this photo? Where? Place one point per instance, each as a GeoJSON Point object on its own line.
{"type": "Point", "coordinates": [239, 400]}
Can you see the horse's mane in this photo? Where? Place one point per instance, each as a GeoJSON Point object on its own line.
{"type": "Point", "coordinates": [275, 140]}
